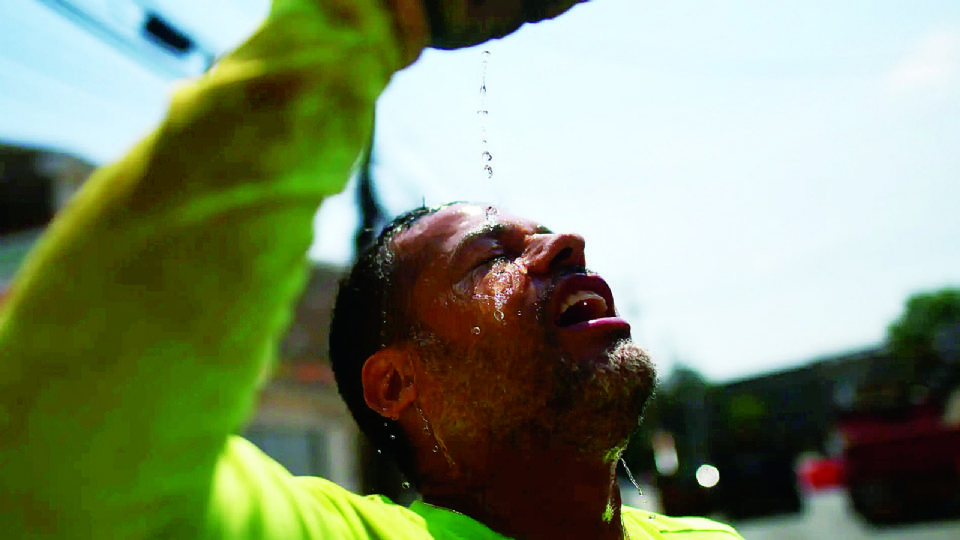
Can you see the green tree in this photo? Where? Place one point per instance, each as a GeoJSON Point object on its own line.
{"type": "Point", "coordinates": [923, 342]}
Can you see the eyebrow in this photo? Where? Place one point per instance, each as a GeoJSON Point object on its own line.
{"type": "Point", "coordinates": [488, 230]}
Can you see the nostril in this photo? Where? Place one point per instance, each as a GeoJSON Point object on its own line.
{"type": "Point", "coordinates": [562, 256]}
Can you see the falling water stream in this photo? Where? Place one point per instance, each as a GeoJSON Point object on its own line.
{"type": "Point", "coordinates": [630, 476]}
{"type": "Point", "coordinates": [485, 156]}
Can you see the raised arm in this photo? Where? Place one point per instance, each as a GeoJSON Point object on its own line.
{"type": "Point", "coordinates": [134, 335]}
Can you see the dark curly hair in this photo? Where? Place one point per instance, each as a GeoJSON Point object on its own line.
{"type": "Point", "coordinates": [368, 316]}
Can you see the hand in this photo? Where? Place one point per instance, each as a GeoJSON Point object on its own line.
{"type": "Point", "coordinates": [462, 23]}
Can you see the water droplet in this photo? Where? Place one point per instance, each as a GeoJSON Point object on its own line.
{"type": "Point", "coordinates": [393, 437]}
{"type": "Point", "coordinates": [483, 90]}
{"type": "Point", "coordinates": [498, 315]}
{"type": "Point", "coordinates": [491, 212]}
{"type": "Point", "coordinates": [385, 424]}
{"type": "Point", "coordinates": [436, 449]}
{"type": "Point", "coordinates": [379, 451]}
{"type": "Point", "coordinates": [475, 330]}
{"type": "Point", "coordinates": [486, 156]}
{"type": "Point", "coordinates": [489, 170]}
{"type": "Point", "coordinates": [483, 112]}
{"type": "Point", "coordinates": [519, 313]}
{"type": "Point", "coordinates": [426, 424]}
{"type": "Point", "coordinates": [651, 516]}
{"type": "Point", "coordinates": [485, 55]}
{"type": "Point", "coordinates": [405, 485]}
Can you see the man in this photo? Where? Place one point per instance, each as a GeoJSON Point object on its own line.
{"type": "Point", "coordinates": [135, 335]}
{"type": "Point", "coordinates": [508, 384]}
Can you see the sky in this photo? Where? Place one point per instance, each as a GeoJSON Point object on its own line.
{"type": "Point", "coordinates": [762, 184]}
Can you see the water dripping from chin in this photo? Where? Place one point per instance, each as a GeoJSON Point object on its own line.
{"type": "Point", "coordinates": [439, 445]}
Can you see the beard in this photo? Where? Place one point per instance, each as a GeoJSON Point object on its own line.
{"type": "Point", "coordinates": [596, 407]}
{"type": "Point", "coordinates": [529, 396]}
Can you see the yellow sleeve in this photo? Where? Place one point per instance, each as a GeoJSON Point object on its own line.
{"type": "Point", "coordinates": [135, 333]}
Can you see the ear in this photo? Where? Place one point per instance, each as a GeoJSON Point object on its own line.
{"type": "Point", "coordinates": [388, 382]}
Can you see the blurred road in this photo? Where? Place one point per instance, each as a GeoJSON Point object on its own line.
{"type": "Point", "coordinates": [827, 517]}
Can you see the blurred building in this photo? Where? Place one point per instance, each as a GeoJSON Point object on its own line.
{"type": "Point", "coordinates": [795, 409]}
{"type": "Point", "coordinates": [34, 184]}
{"type": "Point", "coordinates": [762, 426]}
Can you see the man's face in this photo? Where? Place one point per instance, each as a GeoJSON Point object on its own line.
{"type": "Point", "coordinates": [520, 344]}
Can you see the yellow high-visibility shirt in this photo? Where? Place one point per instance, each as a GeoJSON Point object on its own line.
{"type": "Point", "coordinates": [269, 503]}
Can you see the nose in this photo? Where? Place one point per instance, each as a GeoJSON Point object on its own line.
{"type": "Point", "coordinates": [547, 252]}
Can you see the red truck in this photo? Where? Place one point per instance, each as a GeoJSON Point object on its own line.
{"type": "Point", "coordinates": [902, 465]}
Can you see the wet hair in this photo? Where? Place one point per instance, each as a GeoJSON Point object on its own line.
{"type": "Point", "coordinates": [369, 316]}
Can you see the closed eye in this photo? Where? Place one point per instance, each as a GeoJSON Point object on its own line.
{"type": "Point", "coordinates": [492, 260]}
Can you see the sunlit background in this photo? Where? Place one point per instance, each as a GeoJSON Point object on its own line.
{"type": "Point", "coordinates": [763, 184]}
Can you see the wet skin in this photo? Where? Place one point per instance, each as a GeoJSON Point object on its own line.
{"type": "Point", "coordinates": [484, 270]}
{"type": "Point", "coordinates": [506, 389]}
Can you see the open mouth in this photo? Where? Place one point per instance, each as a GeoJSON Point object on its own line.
{"type": "Point", "coordinates": [582, 298]}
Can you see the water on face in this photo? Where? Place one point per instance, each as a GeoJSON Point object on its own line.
{"type": "Point", "coordinates": [505, 282]}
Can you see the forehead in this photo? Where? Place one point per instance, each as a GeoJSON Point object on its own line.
{"type": "Point", "coordinates": [438, 235]}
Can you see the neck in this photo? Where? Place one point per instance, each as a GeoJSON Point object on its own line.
{"type": "Point", "coordinates": [537, 496]}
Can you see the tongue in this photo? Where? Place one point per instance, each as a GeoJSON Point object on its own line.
{"type": "Point", "coordinates": [585, 310]}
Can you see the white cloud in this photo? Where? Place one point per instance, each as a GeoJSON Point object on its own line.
{"type": "Point", "coordinates": [932, 63]}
